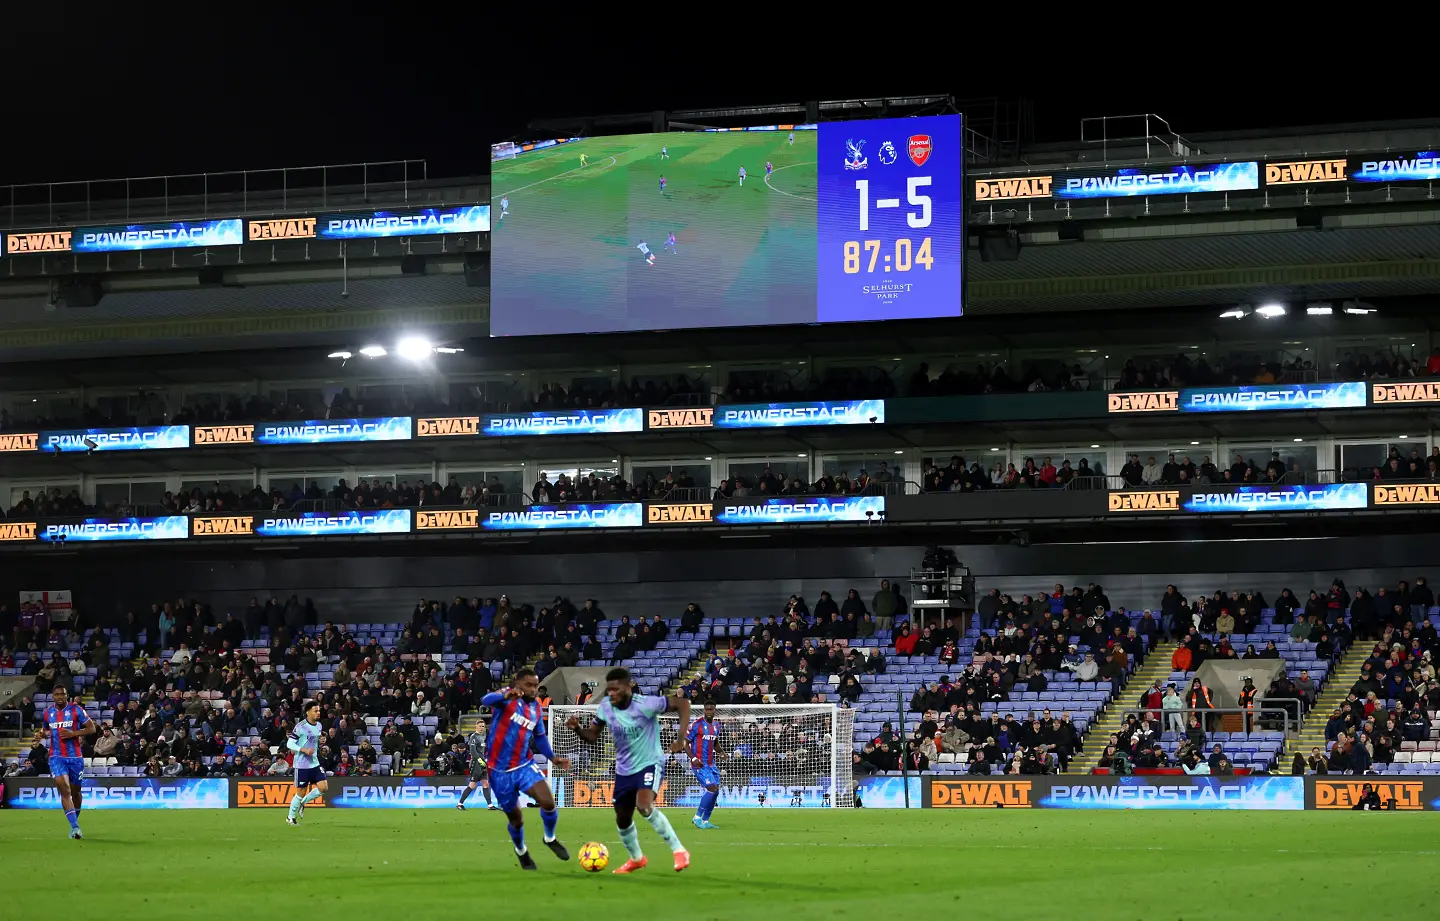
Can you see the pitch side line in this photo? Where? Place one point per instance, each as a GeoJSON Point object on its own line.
{"type": "Point", "coordinates": [577, 169]}
{"type": "Point", "coordinates": [782, 191]}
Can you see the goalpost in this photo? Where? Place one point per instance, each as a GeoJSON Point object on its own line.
{"type": "Point", "coordinates": [769, 756]}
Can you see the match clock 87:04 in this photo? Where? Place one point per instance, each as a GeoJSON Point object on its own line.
{"type": "Point", "coordinates": [904, 253]}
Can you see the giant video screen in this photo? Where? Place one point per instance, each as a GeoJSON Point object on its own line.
{"type": "Point", "coordinates": [837, 222]}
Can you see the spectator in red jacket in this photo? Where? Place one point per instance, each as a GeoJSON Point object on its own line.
{"type": "Point", "coordinates": [905, 640]}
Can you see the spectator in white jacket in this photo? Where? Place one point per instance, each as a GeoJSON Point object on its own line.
{"type": "Point", "coordinates": [421, 706]}
{"type": "Point", "coordinates": [1151, 475]}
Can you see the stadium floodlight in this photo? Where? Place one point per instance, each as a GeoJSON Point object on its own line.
{"type": "Point", "coordinates": [447, 350]}
{"type": "Point", "coordinates": [1357, 310]}
{"type": "Point", "coordinates": [373, 351]}
{"type": "Point", "coordinates": [342, 355]}
{"type": "Point", "coordinates": [1235, 313]}
{"type": "Point", "coordinates": [1271, 311]}
{"type": "Point", "coordinates": [414, 348]}
{"type": "Point", "coordinates": [1319, 310]}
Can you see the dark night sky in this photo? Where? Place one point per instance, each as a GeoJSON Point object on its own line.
{"type": "Point", "coordinates": [93, 94]}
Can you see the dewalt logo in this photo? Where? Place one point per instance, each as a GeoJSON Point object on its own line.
{"type": "Point", "coordinates": [980, 794]}
{"type": "Point", "coordinates": [1161, 401]}
{"type": "Point", "coordinates": [1343, 794]}
{"type": "Point", "coordinates": [452, 520]}
{"type": "Point", "coordinates": [702, 418]}
{"type": "Point", "coordinates": [19, 441]}
{"type": "Point", "coordinates": [687, 513]}
{"type": "Point", "coordinates": [452, 425]}
{"type": "Point", "coordinates": [17, 530]}
{"type": "Point", "coordinates": [223, 526]}
{"type": "Point", "coordinates": [1305, 172]}
{"type": "Point", "coordinates": [252, 794]}
{"type": "Point", "coordinates": [292, 228]}
{"type": "Point", "coordinates": [224, 434]}
{"type": "Point", "coordinates": [1016, 189]}
{"type": "Point", "coordinates": [1423, 392]}
{"type": "Point", "coordinates": [1150, 500]}
{"type": "Point", "coordinates": [1408, 494]}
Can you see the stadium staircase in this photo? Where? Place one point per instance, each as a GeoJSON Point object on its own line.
{"type": "Point", "coordinates": [1342, 677]}
{"type": "Point", "coordinates": [1156, 668]}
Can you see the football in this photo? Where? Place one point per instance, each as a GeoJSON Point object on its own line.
{"type": "Point", "coordinates": [594, 857]}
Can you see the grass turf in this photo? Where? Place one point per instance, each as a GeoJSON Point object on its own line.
{"type": "Point", "coordinates": [565, 258]}
{"type": "Point", "coordinates": [1071, 866]}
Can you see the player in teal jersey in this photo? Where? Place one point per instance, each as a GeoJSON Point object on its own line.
{"type": "Point", "coordinates": [310, 782]}
{"type": "Point", "coordinates": [634, 721]}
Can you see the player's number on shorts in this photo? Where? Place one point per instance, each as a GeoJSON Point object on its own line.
{"type": "Point", "coordinates": [912, 194]}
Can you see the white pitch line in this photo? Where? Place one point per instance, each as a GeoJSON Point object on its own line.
{"type": "Point", "coordinates": [577, 169]}
{"type": "Point", "coordinates": [782, 191]}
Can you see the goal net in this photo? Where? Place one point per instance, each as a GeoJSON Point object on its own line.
{"type": "Point", "coordinates": [776, 756]}
{"type": "Point", "coordinates": [505, 150]}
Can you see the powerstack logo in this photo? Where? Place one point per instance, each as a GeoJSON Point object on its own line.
{"type": "Point", "coordinates": [1149, 500]}
{"type": "Point", "coordinates": [1420, 392]}
{"type": "Point", "coordinates": [224, 435]}
{"type": "Point", "coordinates": [981, 794]}
{"type": "Point", "coordinates": [463, 519]}
{"type": "Point", "coordinates": [267, 794]}
{"type": "Point", "coordinates": [686, 513]}
{"type": "Point", "coordinates": [52, 241]}
{"type": "Point", "coordinates": [1408, 795]}
{"type": "Point", "coordinates": [702, 418]}
{"type": "Point", "coordinates": [1407, 494]}
{"type": "Point", "coordinates": [15, 442]}
{"type": "Point", "coordinates": [447, 427]}
{"type": "Point", "coordinates": [13, 531]}
{"type": "Point", "coordinates": [1305, 172]}
{"type": "Point", "coordinates": [1013, 189]}
{"type": "Point", "coordinates": [223, 526]}
{"type": "Point", "coordinates": [1161, 401]}
{"type": "Point", "coordinates": [288, 228]}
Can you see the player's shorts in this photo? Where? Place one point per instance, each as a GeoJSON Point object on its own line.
{"type": "Point", "coordinates": [708, 776]}
{"type": "Point", "coordinates": [508, 785]}
{"type": "Point", "coordinates": [305, 777]}
{"type": "Point", "coordinates": [480, 777]}
{"type": "Point", "coordinates": [72, 768]}
{"type": "Point", "coordinates": [627, 785]}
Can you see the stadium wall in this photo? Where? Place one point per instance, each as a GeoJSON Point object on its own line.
{"type": "Point", "coordinates": [725, 582]}
{"type": "Point", "coordinates": [1176, 792]}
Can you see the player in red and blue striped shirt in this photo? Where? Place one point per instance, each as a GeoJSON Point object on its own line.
{"type": "Point", "coordinates": [517, 731]}
{"type": "Point", "coordinates": [703, 735]}
{"type": "Point", "coordinates": [68, 723]}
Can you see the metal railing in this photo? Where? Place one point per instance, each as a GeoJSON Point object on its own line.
{"type": "Point", "coordinates": [238, 193]}
{"type": "Point", "coordinates": [1289, 719]}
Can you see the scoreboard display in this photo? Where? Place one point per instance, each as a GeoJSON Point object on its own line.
{"type": "Point", "coordinates": [781, 224]}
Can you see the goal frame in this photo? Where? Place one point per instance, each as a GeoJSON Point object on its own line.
{"type": "Point", "coordinates": [839, 792]}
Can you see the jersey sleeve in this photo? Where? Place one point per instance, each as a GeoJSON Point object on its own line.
{"type": "Point", "coordinates": [493, 699]}
{"type": "Point", "coordinates": [694, 731]}
{"type": "Point", "coordinates": [651, 705]}
{"type": "Point", "coordinates": [82, 716]}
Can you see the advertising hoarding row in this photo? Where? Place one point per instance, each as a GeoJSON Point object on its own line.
{"type": "Point", "coordinates": [407, 222]}
{"type": "Point", "coordinates": [1190, 179]}
{"type": "Point", "coordinates": [1171, 792]}
{"type": "Point", "coordinates": [405, 428]}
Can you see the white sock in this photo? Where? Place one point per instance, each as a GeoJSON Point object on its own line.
{"type": "Point", "coordinates": [657, 821]}
{"type": "Point", "coordinates": [630, 837]}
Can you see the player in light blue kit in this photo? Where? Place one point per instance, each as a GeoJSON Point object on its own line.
{"type": "Point", "coordinates": [704, 737]}
{"type": "Point", "coordinates": [310, 782]}
{"type": "Point", "coordinates": [792, 139]}
{"type": "Point", "coordinates": [504, 205]}
{"type": "Point", "coordinates": [664, 153]}
{"type": "Point", "coordinates": [742, 177]}
{"type": "Point", "coordinates": [645, 253]}
{"type": "Point", "coordinates": [634, 722]}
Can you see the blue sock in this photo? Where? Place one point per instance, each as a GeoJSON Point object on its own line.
{"type": "Point", "coordinates": [707, 804]}
{"type": "Point", "coordinates": [517, 835]}
{"type": "Point", "coordinates": [73, 818]}
{"type": "Point", "coordinates": [551, 818]}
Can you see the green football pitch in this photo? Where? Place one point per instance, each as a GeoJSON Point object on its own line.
{"type": "Point", "coordinates": [565, 253]}
{"type": "Point", "coordinates": [762, 864]}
